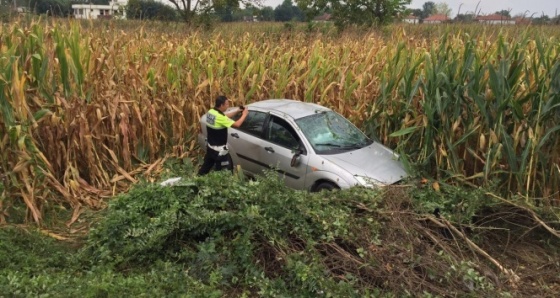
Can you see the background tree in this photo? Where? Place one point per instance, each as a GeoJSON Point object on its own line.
{"type": "Point", "coordinates": [249, 10]}
{"type": "Point", "coordinates": [442, 8]}
{"type": "Point", "coordinates": [542, 20]}
{"type": "Point", "coordinates": [15, 3]}
{"type": "Point", "coordinates": [225, 13]}
{"type": "Point", "coordinates": [428, 9]}
{"type": "Point", "coordinates": [503, 12]}
{"type": "Point", "coordinates": [266, 14]}
{"type": "Point", "coordinates": [97, 2]}
{"type": "Point", "coordinates": [61, 8]}
{"type": "Point", "coordinates": [5, 11]}
{"type": "Point", "coordinates": [150, 10]}
{"type": "Point", "coordinates": [357, 12]}
{"type": "Point", "coordinates": [298, 14]}
{"type": "Point", "coordinates": [286, 12]}
{"type": "Point", "coordinates": [465, 17]}
{"type": "Point", "coordinates": [5, 5]}
{"type": "Point", "coordinates": [189, 9]}
{"type": "Point", "coordinates": [417, 12]}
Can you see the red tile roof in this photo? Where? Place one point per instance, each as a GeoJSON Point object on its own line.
{"type": "Point", "coordinates": [437, 17]}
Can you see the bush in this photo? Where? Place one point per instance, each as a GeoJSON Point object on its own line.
{"type": "Point", "coordinates": [457, 203]}
{"type": "Point", "coordinates": [257, 234]}
{"type": "Point", "coordinates": [150, 10]}
{"type": "Point", "coordinates": [61, 8]}
{"type": "Point", "coordinates": [217, 236]}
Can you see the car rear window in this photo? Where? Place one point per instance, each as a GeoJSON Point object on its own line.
{"type": "Point", "coordinates": [254, 123]}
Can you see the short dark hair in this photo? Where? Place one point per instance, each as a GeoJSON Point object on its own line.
{"type": "Point", "coordinates": [220, 100]}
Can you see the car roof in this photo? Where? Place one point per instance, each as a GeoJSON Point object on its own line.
{"type": "Point", "coordinates": [293, 108]}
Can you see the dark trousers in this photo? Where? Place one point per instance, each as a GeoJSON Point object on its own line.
{"type": "Point", "coordinates": [213, 160]}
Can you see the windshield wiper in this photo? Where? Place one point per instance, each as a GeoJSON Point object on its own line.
{"type": "Point", "coordinates": [328, 144]}
{"type": "Point", "coordinates": [354, 146]}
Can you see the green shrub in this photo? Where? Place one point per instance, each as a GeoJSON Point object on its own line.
{"type": "Point", "coordinates": [253, 235]}
{"type": "Point", "coordinates": [218, 236]}
{"type": "Point", "coordinates": [457, 203]}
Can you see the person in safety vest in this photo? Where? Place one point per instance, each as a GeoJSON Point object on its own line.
{"type": "Point", "coordinates": [217, 123]}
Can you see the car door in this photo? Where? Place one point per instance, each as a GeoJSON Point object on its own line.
{"type": "Point", "coordinates": [280, 144]}
{"type": "Point", "coordinates": [246, 141]}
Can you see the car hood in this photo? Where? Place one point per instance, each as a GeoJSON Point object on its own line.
{"type": "Point", "coordinates": [374, 161]}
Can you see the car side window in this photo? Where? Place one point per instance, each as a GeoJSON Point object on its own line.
{"type": "Point", "coordinates": [281, 133]}
{"type": "Point", "coordinates": [254, 123]}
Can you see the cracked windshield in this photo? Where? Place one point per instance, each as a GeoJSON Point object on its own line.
{"type": "Point", "coordinates": [329, 133]}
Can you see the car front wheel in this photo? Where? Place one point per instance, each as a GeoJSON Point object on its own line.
{"type": "Point", "coordinates": [325, 186]}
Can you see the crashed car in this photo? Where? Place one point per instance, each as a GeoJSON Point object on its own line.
{"type": "Point", "coordinates": [311, 146]}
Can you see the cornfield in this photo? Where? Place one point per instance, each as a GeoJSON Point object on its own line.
{"type": "Point", "coordinates": [89, 108]}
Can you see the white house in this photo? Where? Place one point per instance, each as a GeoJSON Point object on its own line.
{"type": "Point", "coordinates": [411, 19]}
{"type": "Point", "coordinates": [250, 19]}
{"type": "Point", "coordinates": [495, 19]}
{"type": "Point", "coordinates": [115, 9]}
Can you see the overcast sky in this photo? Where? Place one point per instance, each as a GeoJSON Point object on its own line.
{"type": "Point", "coordinates": [548, 7]}
{"type": "Point", "coordinates": [529, 7]}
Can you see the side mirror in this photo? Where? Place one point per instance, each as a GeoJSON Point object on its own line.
{"type": "Point", "coordinates": [295, 159]}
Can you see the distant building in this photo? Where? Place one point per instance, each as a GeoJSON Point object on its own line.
{"type": "Point", "coordinates": [22, 9]}
{"type": "Point", "coordinates": [250, 19]}
{"type": "Point", "coordinates": [411, 19]}
{"type": "Point", "coordinates": [437, 19]}
{"type": "Point", "coordinates": [522, 21]}
{"type": "Point", "coordinates": [323, 18]}
{"type": "Point", "coordinates": [115, 9]}
{"type": "Point", "coordinates": [495, 19]}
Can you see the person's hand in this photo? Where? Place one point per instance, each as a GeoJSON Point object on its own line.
{"type": "Point", "coordinates": [245, 111]}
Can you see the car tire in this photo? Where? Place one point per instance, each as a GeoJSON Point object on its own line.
{"type": "Point", "coordinates": [325, 186]}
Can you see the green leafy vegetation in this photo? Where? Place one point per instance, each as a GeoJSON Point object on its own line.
{"type": "Point", "coordinates": [221, 228]}
{"type": "Point", "coordinates": [220, 235]}
{"type": "Point", "coordinates": [61, 8]}
{"type": "Point", "coordinates": [150, 10]}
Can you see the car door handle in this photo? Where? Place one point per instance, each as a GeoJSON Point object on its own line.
{"type": "Point", "coordinates": [269, 149]}
{"type": "Point", "coordinates": [235, 135]}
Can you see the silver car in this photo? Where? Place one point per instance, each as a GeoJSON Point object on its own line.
{"type": "Point", "coordinates": [310, 146]}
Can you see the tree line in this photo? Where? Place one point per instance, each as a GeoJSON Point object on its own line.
{"type": "Point", "coordinates": [224, 11]}
{"type": "Point", "coordinates": [350, 12]}
{"type": "Point", "coordinates": [360, 12]}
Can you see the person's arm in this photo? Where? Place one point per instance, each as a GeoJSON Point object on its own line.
{"type": "Point", "coordinates": [233, 113]}
{"type": "Point", "coordinates": [239, 121]}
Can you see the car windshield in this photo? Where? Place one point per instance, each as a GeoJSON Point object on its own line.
{"type": "Point", "coordinates": [330, 133]}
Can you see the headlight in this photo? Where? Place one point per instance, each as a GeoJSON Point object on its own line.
{"type": "Point", "coordinates": [368, 182]}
